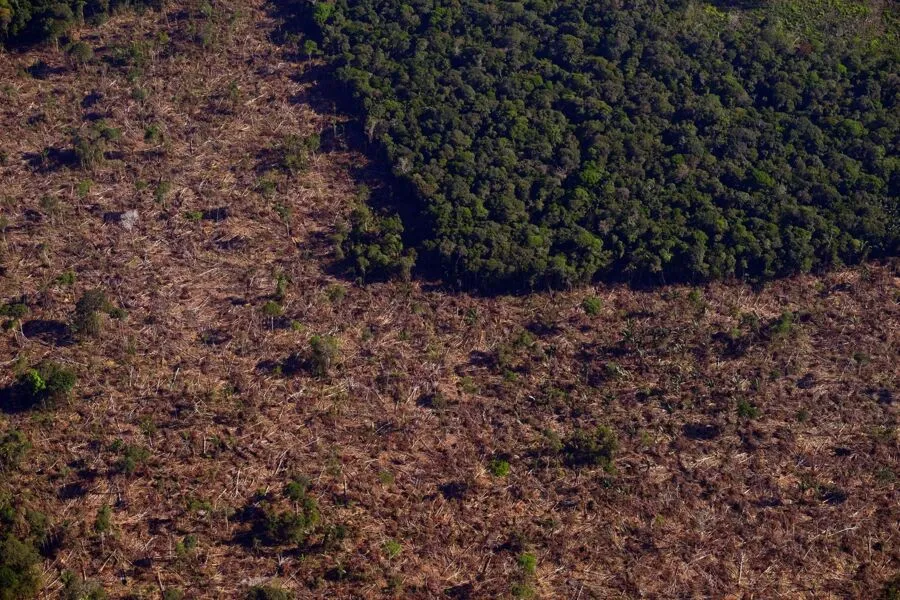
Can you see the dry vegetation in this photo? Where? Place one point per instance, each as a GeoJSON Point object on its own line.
{"type": "Point", "coordinates": [242, 416]}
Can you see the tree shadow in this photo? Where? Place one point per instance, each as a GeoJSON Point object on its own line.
{"type": "Point", "coordinates": [48, 331]}
{"type": "Point", "coordinates": [14, 399]}
{"type": "Point", "coordinates": [50, 159]}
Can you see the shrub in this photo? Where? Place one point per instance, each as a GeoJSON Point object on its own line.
{"type": "Point", "coordinates": [296, 151]}
{"type": "Point", "coordinates": [594, 448]}
{"type": "Point", "coordinates": [296, 489]}
{"type": "Point", "coordinates": [322, 355]}
{"type": "Point", "coordinates": [19, 575]}
{"type": "Point", "coordinates": [293, 526]}
{"type": "Point", "coordinates": [892, 589]}
{"type": "Point", "coordinates": [522, 590]}
{"type": "Point", "coordinates": [186, 546]}
{"type": "Point", "coordinates": [80, 53]}
{"type": "Point", "coordinates": [14, 311]}
{"type": "Point", "coordinates": [268, 592]}
{"type": "Point", "coordinates": [103, 522]}
{"type": "Point", "coordinates": [528, 563]}
{"type": "Point", "coordinates": [592, 306]}
{"type": "Point", "coordinates": [336, 293]}
{"type": "Point", "coordinates": [281, 283]}
{"type": "Point", "coordinates": [14, 445]}
{"type": "Point", "coordinates": [499, 467]}
{"type": "Point", "coordinates": [79, 589]}
{"type": "Point", "coordinates": [86, 319]}
{"type": "Point", "coordinates": [781, 327]}
{"type": "Point", "coordinates": [89, 145]}
{"type": "Point", "coordinates": [84, 188]}
{"type": "Point", "coordinates": [745, 410]}
{"type": "Point", "coordinates": [133, 456]}
{"type": "Point", "coordinates": [46, 383]}
{"type": "Point", "coordinates": [66, 278]}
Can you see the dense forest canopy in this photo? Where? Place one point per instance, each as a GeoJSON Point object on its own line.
{"type": "Point", "coordinates": [552, 142]}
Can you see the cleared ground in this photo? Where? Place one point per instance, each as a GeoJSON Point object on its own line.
{"type": "Point", "coordinates": [757, 428]}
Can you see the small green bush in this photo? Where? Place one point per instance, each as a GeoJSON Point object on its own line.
{"type": "Point", "coordinates": [781, 327]}
{"type": "Point", "coordinates": [528, 563]}
{"type": "Point", "coordinates": [499, 467]}
{"type": "Point", "coordinates": [20, 577]}
{"type": "Point", "coordinates": [46, 383]}
{"type": "Point", "coordinates": [272, 309]}
{"type": "Point", "coordinates": [746, 410]}
{"type": "Point", "coordinates": [14, 446]}
{"type": "Point", "coordinates": [103, 522]}
{"type": "Point", "coordinates": [86, 319]}
{"type": "Point", "coordinates": [79, 589]}
{"type": "Point", "coordinates": [596, 448]}
{"type": "Point", "coordinates": [268, 592]}
{"type": "Point", "coordinates": [89, 145]}
{"type": "Point", "coordinates": [291, 527]}
{"type": "Point", "coordinates": [79, 54]}
{"type": "Point", "coordinates": [296, 489]}
{"type": "Point", "coordinates": [592, 305]}
{"type": "Point", "coordinates": [15, 312]}
{"type": "Point", "coordinates": [186, 546]}
{"type": "Point", "coordinates": [66, 278]}
{"type": "Point", "coordinates": [133, 456]}
{"type": "Point", "coordinates": [296, 152]}
{"type": "Point", "coordinates": [892, 589]}
{"type": "Point", "coordinates": [323, 354]}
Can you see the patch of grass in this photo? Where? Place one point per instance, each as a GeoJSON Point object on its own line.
{"type": "Point", "coordinates": [499, 467]}
{"type": "Point", "coordinates": [161, 192]}
{"type": "Point", "coordinates": [746, 410]}
{"type": "Point", "coordinates": [592, 305]}
{"type": "Point", "coordinates": [528, 563]}
{"type": "Point", "coordinates": [392, 548]}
